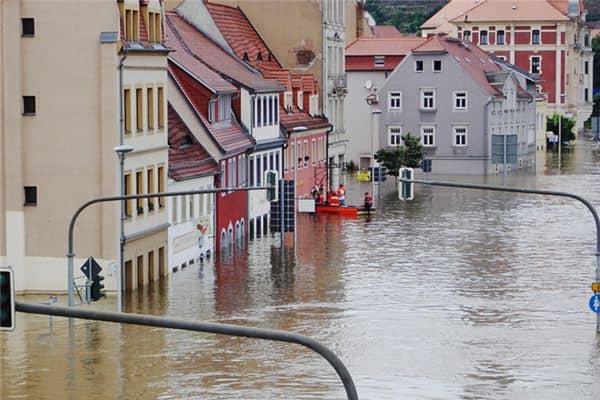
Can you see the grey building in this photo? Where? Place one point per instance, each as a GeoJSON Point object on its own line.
{"type": "Point", "coordinates": [475, 115]}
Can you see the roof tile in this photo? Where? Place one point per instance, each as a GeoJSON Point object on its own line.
{"type": "Point", "coordinates": [383, 46]}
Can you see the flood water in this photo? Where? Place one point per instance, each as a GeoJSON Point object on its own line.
{"type": "Point", "coordinates": [459, 294]}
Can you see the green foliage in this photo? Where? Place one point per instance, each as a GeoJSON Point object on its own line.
{"type": "Point", "coordinates": [409, 155]}
{"type": "Point", "coordinates": [596, 49]}
{"type": "Point", "coordinates": [567, 125]}
{"type": "Point", "coordinates": [350, 166]}
{"type": "Point", "coordinates": [406, 15]}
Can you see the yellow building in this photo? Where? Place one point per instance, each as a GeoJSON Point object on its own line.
{"type": "Point", "coordinates": [62, 66]}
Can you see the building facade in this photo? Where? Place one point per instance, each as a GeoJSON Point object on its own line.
{"type": "Point", "coordinates": [473, 116]}
{"type": "Point", "coordinates": [369, 61]}
{"type": "Point", "coordinates": [545, 37]}
{"type": "Point", "coordinates": [59, 126]}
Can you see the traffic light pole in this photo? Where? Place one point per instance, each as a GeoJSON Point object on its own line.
{"type": "Point", "coordinates": [71, 254]}
{"type": "Point", "coordinates": [197, 326]}
{"type": "Point", "coordinates": [585, 202]}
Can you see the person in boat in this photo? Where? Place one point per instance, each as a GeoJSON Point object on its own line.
{"type": "Point", "coordinates": [320, 200]}
{"type": "Point", "coordinates": [332, 199]}
{"type": "Point", "coordinates": [368, 203]}
{"type": "Point", "coordinates": [341, 193]}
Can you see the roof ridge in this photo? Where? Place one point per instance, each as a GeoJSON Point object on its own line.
{"type": "Point", "coordinates": [259, 36]}
{"type": "Point", "coordinates": [468, 11]}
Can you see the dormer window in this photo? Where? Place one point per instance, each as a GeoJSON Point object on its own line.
{"type": "Point", "coordinates": [379, 61]}
{"type": "Point", "coordinates": [132, 25]}
{"type": "Point", "coordinates": [300, 99]}
{"type": "Point", "coordinates": [154, 27]}
{"type": "Point", "coordinates": [287, 101]}
{"type": "Point", "coordinates": [225, 108]}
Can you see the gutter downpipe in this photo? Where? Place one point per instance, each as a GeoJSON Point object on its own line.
{"type": "Point", "coordinates": [122, 178]}
{"type": "Point", "coordinates": [329, 130]}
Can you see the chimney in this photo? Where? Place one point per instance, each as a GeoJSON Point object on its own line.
{"type": "Point", "coordinates": [360, 18]}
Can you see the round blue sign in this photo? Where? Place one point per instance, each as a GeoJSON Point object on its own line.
{"type": "Point", "coordinates": [595, 303]}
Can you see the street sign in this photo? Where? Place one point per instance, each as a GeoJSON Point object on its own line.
{"type": "Point", "coordinates": [85, 268]}
{"type": "Point", "coordinates": [596, 287]}
{"type": "Point", "coordinates": [595, 303]}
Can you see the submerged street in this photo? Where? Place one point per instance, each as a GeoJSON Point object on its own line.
{"type": "Point", "coordinates": [459, 294]}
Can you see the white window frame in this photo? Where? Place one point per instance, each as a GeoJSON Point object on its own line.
{"type": "Point", "coordinates": [539, 31]}
{"type": "Point", "coordinates": [379, 61]}
{"type": "Point", "coordinates": [422, 100]}
{"type": "Point", "coordinates": [455, 134]}
{"type": "Point", "coordinates": [433, 66]}
{"type": "Point", "coordinates": [423, 135]}
{"type": "Point", "coordinates": [467, 36]}
{"type": "Point", "coordinates": [392, 98]}
{"type": "Point", "coordinates": [531, 65]}
{"type": "Point", "coordinates": [394, 136]}
{"type": "Point", "coordinates": [287, 100]}
{"type": "Point", "coordinates": [300, 99]}
{"type": "Point", "coordinates": [422, 66]}
{"type": "Point", "coordinates": [503, 37]}
{"type": "Point", "coordinates": [455, 99]}
{"type": "Point", "coordinates": [487, 37]}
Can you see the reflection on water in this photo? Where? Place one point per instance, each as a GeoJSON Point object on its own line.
{"type": "Point", "coordinates": [458, 294]}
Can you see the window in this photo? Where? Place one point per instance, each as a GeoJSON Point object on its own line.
{"type": "Point", "coordinates": [150, 187]}
{"type": "Point", "coordinates": [161, 108]}
{"type": "Point", "coordinates": [28, 105]}
{"type": "Point", "coordinates": [586, 67]}
{"type": "Point", "coordinates": [586, 40]}
{"type": "Point", "coordinates": [483, 37]}
{"type": "Point", "coordinates": [150, 105]}
{"type": "Point", "coordinates": [224, 108]}
{"type": "Point", "coordinates": [586, 95]}
{"type": "Point", "coordinates": [259, 121]}
{"type": "Point", "coordinates": [127, 193]}
{"type": "Point", "coordinates": [212, 110]}
{"type": "Point", "coordinates": [305, 155]}
{"type": "Point", "coordinates": [394, 136]}
{"type": "Point", "coordinates": [30, 195]}
{"type": "Point", "coordinates": [128, 26]}
{"type": "Point", "coordinates": [460, 136]}
{"type": "Point", "coordinates": [154, 32]}
{"type": "Point", "coordinates": [127, 110]}
{"type": "Point", "coordinates": [139, 189]}
{"type": "Point", "coordinates": [502, 58]}
{"type": "Point", "coordinates": [467, 36]}
{"type": "Point", "coordinates": [299, 99]}
{"type": "Point", "coordinates": [460, 100]}
{"type": "Point", "coordinates": [428, 99]}
{"type": "Point", "coordinates": [251, 171]}
{"type": "Point", "coordinates": [437, 65]}
{"type": "Point", "coordinates": [314, 151]}
{"type": "Point", "coordinates": [287, 100]}
{"type": "Point", "coordinates": [536, 66]}
{"type": "Point", "coordinates": [265, 111]}
{"type": "Point", "coordinates": [379, 61]}
{"type": "Point", "coordinates": [139, 110]}
{"type": "Point", "coordinates": [419, 66]}
{"type": "Point", "coordinates": [428, 136]}
{"type": "Point", "coordinates": [161, 185]}
{"type": "Point", "coordinates": [394, 101]}
{"type": "Point", "coordinates": [535, 36]}
{"type": "Point", "coordinates": [27, 27]}
{"type": "Point", "coordinates": [136, 26]}
{"type": "Point", "coordinates": [500, 37]}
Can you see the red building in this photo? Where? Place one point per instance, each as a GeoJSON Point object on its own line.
{"type": "Point", "coordinates": [545, 37]}
{"type": "Point", "coordinates": [202, 101]}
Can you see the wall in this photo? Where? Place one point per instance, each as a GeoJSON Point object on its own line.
{"type": "Point", "coordinates": [447, 159]}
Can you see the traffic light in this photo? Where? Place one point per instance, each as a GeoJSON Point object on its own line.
{"type": "Point", "coordinates": [406, 189]}
{"type": "Point", "coordinates": [271, 179]}
{"type": "Point", "coordinates": [7, 299]}
{"type": "Point", "coordinates": [96, 290]}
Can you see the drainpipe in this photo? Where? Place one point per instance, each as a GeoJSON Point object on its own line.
{"type": "Point", "coordinates": [122, 179]}
{"type": "Point", "coordinates": [329, 130]}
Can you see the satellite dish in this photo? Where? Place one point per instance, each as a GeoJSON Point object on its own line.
{"type": "Point", "coordinates": [368, 84]}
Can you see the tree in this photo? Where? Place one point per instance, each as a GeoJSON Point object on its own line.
{"type": "Point", "coordinates": [409, 155]}
{"type": "Point", "coordinates": [567, 125]}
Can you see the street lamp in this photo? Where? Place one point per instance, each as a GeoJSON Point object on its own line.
{"type": "Point", "coordinates": [374, 144]}
{"type": "Point", "coordinates": [121, 151]}
{"type": "Point", "coordinates": [562, 96]}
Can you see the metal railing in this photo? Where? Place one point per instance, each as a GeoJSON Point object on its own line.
{"type": "Point", "coordinates": [196, 326]}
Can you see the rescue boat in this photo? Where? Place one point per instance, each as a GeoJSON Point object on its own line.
{"type": "Point", "coordinates": [350, 211]}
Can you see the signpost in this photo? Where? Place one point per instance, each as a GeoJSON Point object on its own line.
{"type": "Point", "coordinates": [595, 303]}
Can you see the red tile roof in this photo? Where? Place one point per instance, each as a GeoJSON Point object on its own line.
{"type": "Point", "coordinates": [511, 11]}
{"type": "Point", "coordinates": [216, 58]}
{"type": "Point", "coordinates": [187, 157]}
{"type": "Point", "coordinates": [378, 46]}
{"type": "Point", "coordinates": [185, 60]}
{"type": "Point", "coordinates": [385, 31]}
{"type": "Point", "coordinates": [228, 135]}
{"type": "Point", "coordinates": [297, 118]}
{"type": "Point", "coordinates": [241, 35]}
{"type": "Point", "coordinates": [471, 58]}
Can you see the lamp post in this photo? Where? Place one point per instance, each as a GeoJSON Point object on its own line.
{"type": "Point", "coordinates": [562, 96]}
{"type": "Point", "coordinates": [374, 144]}
{"type": "Point", "coordinates": [121, 151]}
